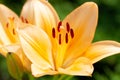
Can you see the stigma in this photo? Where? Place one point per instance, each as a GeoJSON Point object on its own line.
{"type": "Point", "coordinates": [65, 32]}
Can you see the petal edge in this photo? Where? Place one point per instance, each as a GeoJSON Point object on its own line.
{"type": "Point", "coordinates": [102, 49]}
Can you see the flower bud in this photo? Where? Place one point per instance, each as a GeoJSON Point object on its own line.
{"type": "Point", "coordinates": [15, 66]}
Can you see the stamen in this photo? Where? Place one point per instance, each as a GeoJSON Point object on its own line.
{"type": "Point", "coordinates": [59, 38]}
{"type": "Point", "coordinates": [67, 27]}
{"type": "Point", "coordinates": [22, 19]}
{"type": "Point", "coordinates": [13, 18]}
{"type": "Point", "coordinates": [59, 24]}
{"type": "Point", "coordinates": [14, 31]}
{"type": "Point", "coordinates": [7, 25]}
{"type": "Point", "coordinates": [71, 33]}
{"type": "Point", "coordinates": [53, 32]}
{"type": "Point", "coordinates": [66, 38]}
{"type": "Point", "coordinates": [26, 20]}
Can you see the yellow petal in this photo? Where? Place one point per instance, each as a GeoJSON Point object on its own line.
{"type": "Point", "coordinates": [4, 49]}
{"type": "Point", "coordinates": [16, 48]}
{"type": "Point", "coordinates": [41, 14]}
{"type": "Point", "coordinates": [37, 72]}
{"type": "Point", "coordinates": [6, 13]}
{"type": "Point", "coordinates": [4, 39]}
{"type": "Point", "coordinates": [0, 41]}
{"type": "Point", "coordinates": [25, 61]}
{"type": "Point", "coordinates": [37, 46]}
{"type": "Point", "coordinates": [9, 21]}
{"type": "Point", "coordinates": [83, 21]}
{"type": "Point", "coordinates": [102, 49]}
{"type": "Point", "coordinates": [81, 67]}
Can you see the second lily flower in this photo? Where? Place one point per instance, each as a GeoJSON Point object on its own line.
{"type": "Point", "coordinates": [9, 40]}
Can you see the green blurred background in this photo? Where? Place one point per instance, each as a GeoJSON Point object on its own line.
{"type": "Point", "coordinates": [108, 29]}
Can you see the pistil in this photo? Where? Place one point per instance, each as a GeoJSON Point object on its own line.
{"type": "Point", "coordinates": [59, 25]}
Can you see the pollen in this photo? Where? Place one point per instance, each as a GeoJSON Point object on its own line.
{"type": "Point", "coordinates": [63, 33]}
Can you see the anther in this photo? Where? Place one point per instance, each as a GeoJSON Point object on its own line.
{"type": "Point", "coordinates": [7, 25]}
{"type": "Point", "coordinates": [67, 27]}
{"type": "Point", "coordinates": [59, 38]}
{"type": "Point", "coordinates": [26, 20]}
{"type": "Point", "coordinates": [53, 32]}
{"type": "Point", "coordinates": [66, 38]}
{"type": "Point", "coordinates": [22, 19]}
{"type": "Point", "coordinates": [14, 31]}
{"type": "Point", "coordinates": [59, 24]}
{"type": "Point", "coordinates": [71, 33]}
{"type": "Point", "coordinates": [13, 18]}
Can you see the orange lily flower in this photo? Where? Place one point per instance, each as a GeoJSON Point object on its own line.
{"type": "Point", "coordinates": [9, 40]}
{"type": "Point", "coordinates": [62, 47]}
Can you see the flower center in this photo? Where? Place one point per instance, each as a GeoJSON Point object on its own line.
{"type": "Point", "coordinates": [10, 25]}
{"type": "Point", "coordinates": [10, 29]}
{"type": "Point", "coordinates": [62, 32]}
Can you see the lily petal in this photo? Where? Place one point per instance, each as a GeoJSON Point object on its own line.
{"type": "Point", "coordinates": [16, 49]}
{"type": "Point", "coordinates": [41, 14]}
{"type": "Point", "coordinates": [9, 21]}
{"type": "Point", "coordinates": [102, 49]}
{"type": "Point", "coordinates": [81, 66]}
{"type": "Point", "coordinates": [25, 61]}
{"type": "Point", "coordinates": [4, 49]}
{"type": "Point", "coordinates": [85, 20]}
{"type": "Point", "coordinates": [37, 46]}
{"type": "Point", "coordinates": [5, 13]}
{"type": "Point", "coordinates": [3, 36]}
{"type": "Point", "coordinates": [37, 72]}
